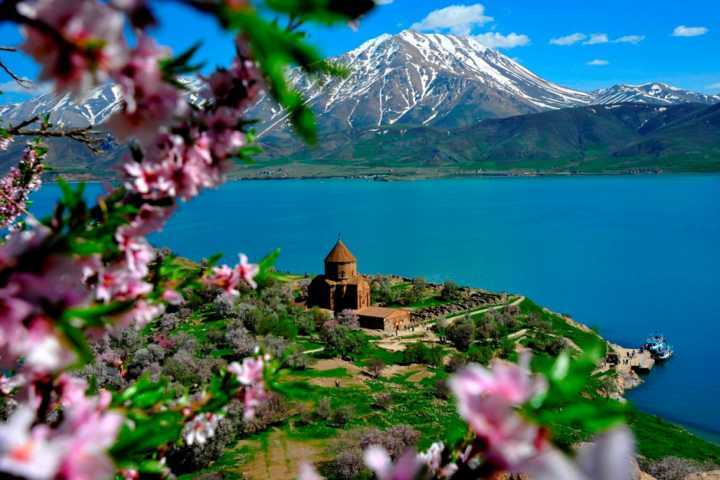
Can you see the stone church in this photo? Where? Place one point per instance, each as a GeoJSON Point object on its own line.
{"type": "Point", "coordinates": [343, 288]}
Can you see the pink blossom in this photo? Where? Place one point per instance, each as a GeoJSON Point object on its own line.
{"type": "Point", "coordinates": [9, 384]}
{"type": "Point", "coordinates": [238, 86]}
{"type": "Point", "coordinates": [486, 400]}
{"type": "Point", "coordinates": [5, 142]}
{"type": "Point", "coordinates": [173, 297]}
{"type": "Point", "coordinates": [307, 472]}
{"type": "Point", "coordinates": [20, 242]}
{"type": "Point", "coordinates": [201, 428]}
{"type": "Point", "coordinates": [432, 458]}
{"type": "Point", "coordinates": [17, 185]}
{"type": "Point", "coordinates": [609, 457]}
{"type": "Point", "coordinates": [407, 467]}
{"type": "Point", "coordinates": [138, 253]}
{"type": "Point", "coordinates": [117, 283]}
{"type": "Point", "coordinates": [250, 372]}
{"type": "Point", "coordinates": [141, 313]}
{"type": "Point", "coordinates": [149, 102]}
{"type": "Point", "coordinates": [512, 383]}
{"type": "Point", "coordinates": [28, 451]}
{"type": "Point", "coordinates": [148, 219]}
{"type": "Point", "coordinates": [225, 278]}
{"type": "Point", "coordinates": [94, 35]}
{"type": "Point", "coordinates": [225, 137]}
{"type": "Point", "coordinates": [56, 282]}
{"type": "Point", "coordinates": [90, 431]}
{"type": "Point", "coordinates": [254, 396]}
{"type": "Point", "coordinates": [151, 180]}
{"type": "Point", "coordinates": [247, 271]}
{"type": "Point", "coordinates": [44, 351]}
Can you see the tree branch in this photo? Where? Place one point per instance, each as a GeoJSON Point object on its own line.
{"type": "Point", "coordinates": [86, 135]}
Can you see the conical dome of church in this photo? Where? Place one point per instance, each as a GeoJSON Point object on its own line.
{"type": "Point", "coordinates": [340, 254]}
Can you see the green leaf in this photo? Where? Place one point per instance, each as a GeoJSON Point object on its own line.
{"type": "Point", "coordinates": [76, 338]}
{"type": "Point", "coordinates": [325, 11]}
{"type": "Point", "coordinates": [267, 268]}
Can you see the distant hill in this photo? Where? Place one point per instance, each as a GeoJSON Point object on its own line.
{"type": "Point", "coordinates": [682, 137]}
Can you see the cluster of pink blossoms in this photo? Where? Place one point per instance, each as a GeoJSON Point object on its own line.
{"type": "Point", "coordinates": [80, 43]}
{"type": "Point", "coordinates": [250, 376]}
{"type": "Point", "coordinates": [487, 400]}
{"type": "Point", "coordinates": [18, 184]}
{"type": "Point", "coordinates": [75, 449]}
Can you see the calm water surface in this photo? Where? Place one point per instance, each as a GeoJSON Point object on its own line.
{"type": "Point", "coordinates": [628, 255]}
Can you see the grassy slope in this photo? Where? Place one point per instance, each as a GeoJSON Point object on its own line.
{"type": "Point", "coordinates": [415, 403]}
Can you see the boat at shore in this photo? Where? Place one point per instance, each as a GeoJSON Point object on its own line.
{"type": "Point", "coordinates": [658, 347]}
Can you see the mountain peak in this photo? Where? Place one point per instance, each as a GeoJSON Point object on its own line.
{"type": "Point", "coordinates": [656, 93]}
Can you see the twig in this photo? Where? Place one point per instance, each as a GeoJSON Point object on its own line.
{"type": "Point", "coordinates": [23, 82]}
{"type": "Point", "coordinates": [86, 135]}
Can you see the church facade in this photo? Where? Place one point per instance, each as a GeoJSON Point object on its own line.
{"type": "Point", "coordinates": [341, 287]}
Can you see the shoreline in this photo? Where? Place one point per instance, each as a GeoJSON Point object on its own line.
{"type": "Point", "coordinates": [410, 177]}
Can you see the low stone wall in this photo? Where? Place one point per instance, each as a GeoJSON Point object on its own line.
{"type": "Point", "coordinates": [472, 301]}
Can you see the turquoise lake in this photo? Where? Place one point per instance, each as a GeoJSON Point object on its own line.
{"type": "Point", "coordinates": [629, 255]}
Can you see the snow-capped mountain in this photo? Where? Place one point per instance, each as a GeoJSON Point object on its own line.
{"type": "Point", "coordinates": [654, 93]}
{"type": "Point", "coordinates": [93, 110]}
{"type": "Point", "coordinates": [425, 79]}
{"type": "Point", "coordinates": [408, 79]}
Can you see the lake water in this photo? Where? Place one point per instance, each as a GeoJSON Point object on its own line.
{"type": "Point", "coordinates": [628, 255]}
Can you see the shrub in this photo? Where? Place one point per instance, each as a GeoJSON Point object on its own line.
{"type": "Point", "coordinates": [456, 362]}
{"type": "Point", "coordinates": [461, 333]}
{"type": "Point", "coordinates": [552, 345]}
{"type": "Point", "coordinates": [324, 409]}
{"type": "Point", "coordinates": [674, 468]}
{"type": "Point", "coordinates": [418, 352]}
{"type": "Point", "coordinates": [451, 292]}
{"type": "Point", "coordinates": [272, 411]}
{"type": "Point", "coordinates": [348, 318]}
{"type": "Point", "coordinates": [277, 325]}
{"type": "Point", "coordinates": [481, 354]}
{"type": "Point", "coordinates": [442, 391]}
{"type": "Point", "coordinates": [341, 416]}
{"type": "Point", "coordinates": [383, 292]}
{"type": "Point", "coordinates": [382, 401]}
{"type": "Point", "coordinates": [242, 342]}
{"type": "Point", "coordinates": [375, 366]}
{"type": "Point", "coordinates": [188, 370]}
{"type": "Point", "coordinates": [348, 462]}
{"type": "Point", "coordinates": [341, 341]}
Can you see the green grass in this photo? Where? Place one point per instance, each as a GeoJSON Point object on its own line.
{"type": "Point", "coordinates": [559, 326]}
{"type": "Point", "coordinates": [658, 438]}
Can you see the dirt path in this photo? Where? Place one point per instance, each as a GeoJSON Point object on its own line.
{"type": "Point", "coordinates": [280, 457]}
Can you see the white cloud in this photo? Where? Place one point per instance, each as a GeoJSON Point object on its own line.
{"type": "Point", "coordinates": [568, 39]}
{"type": "Point", "coordinates": [498, 40]}
{"type": "Point", "coordinates": [596, 39]}
{"type": "Point", "coordinates": [598, 63]}
{"type": "Point", "coordinates": [714, 86]}
{"type": "Point", "coordinates": [684, 31]}
{"type": "Point", "coordinates": [383, 2]}
{"type": "Point", "coordinates": [458, 19]}
{"type": "Point", "coordinates": [634, 39]}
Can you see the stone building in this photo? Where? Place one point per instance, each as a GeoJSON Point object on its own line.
{"type": "Point", "coordinates": [341, 287]}
{"type": "Point", "coordinates": [389, 319]}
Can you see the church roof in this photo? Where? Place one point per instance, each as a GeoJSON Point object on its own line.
{"type": "Point", "coordinates": [340, 254]}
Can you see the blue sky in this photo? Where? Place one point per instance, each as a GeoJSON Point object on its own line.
{"type": "Point", "coordinates": [584, 44]}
